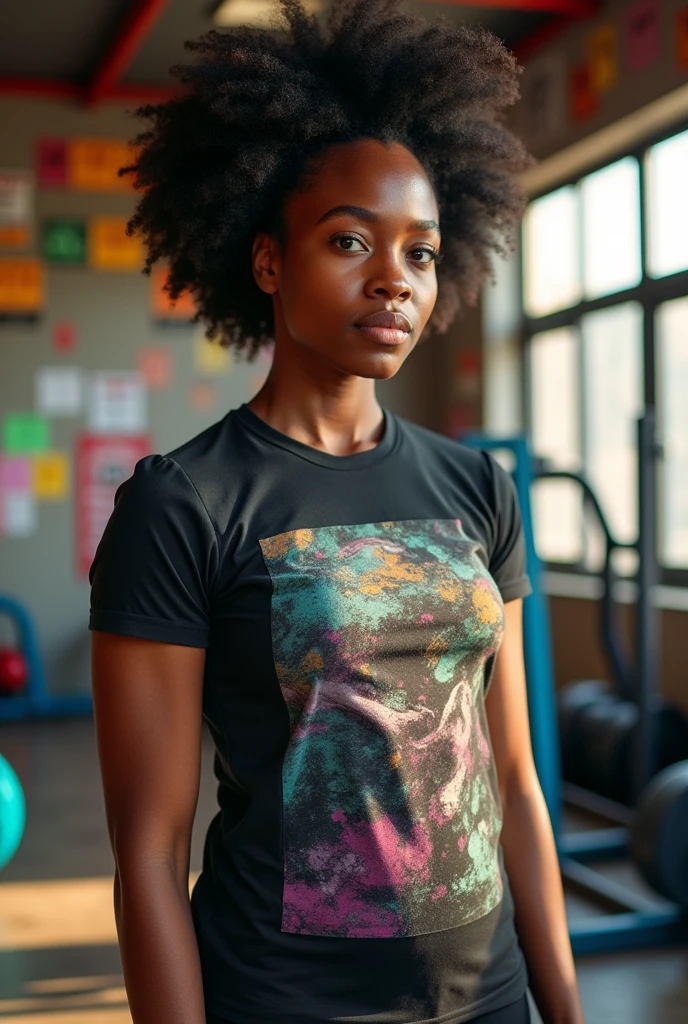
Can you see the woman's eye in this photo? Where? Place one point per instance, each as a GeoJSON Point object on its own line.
{"type": "Point", "coordinates": [429, 254]}
{"type": "Point", "coordinates": [347, 240]}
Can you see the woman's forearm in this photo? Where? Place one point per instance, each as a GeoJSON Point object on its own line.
{"type": "Point", "coordinates": [532, 865]}
{"type": "Point", "coordinates": [160, 961]}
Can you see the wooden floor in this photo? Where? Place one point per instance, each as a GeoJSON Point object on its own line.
{"type": "Point", "coordinates": [59, 961]}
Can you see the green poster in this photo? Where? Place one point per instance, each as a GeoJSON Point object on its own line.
{"type": "Point", "coordinates": [64, 241]}
{"type": "Point", "coordinates": [25, 432]}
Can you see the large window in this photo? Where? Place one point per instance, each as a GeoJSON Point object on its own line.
{"type": "Point", "coordinates": [605, 304]}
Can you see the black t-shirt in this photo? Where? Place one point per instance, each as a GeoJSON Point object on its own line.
{"type": "Point", "coordinates": [351, 608]}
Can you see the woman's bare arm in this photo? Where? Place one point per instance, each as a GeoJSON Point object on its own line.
{"type": "Point", "coordinates": [148, 716]}
{"type": "Point", "coordinates": [530, 855]}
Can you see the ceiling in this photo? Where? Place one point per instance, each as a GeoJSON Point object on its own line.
{"type": "Point", "coordinates": [122, 49]}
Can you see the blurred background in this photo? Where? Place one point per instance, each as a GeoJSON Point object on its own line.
{"type": "Point", "coordinates": [583, 332]}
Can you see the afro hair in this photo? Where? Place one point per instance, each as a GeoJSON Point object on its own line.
{"type": "Point", "coordinates": [218, 161]}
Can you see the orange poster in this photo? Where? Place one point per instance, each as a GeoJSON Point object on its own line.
{"type": "Point", "coordinates": [109, 246]}
{"type": "Point", "coordinates": [92, 165]}
{"type": "Point", "coordinates": [22, 286]}
{"type": "Point", "coordinates": [162, 306]}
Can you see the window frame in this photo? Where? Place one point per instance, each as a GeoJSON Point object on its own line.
{"type": "Point", "coordinates": [649, 293]}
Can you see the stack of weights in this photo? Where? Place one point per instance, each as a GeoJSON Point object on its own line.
{"type": "Point", "coordinates": [598, 730]}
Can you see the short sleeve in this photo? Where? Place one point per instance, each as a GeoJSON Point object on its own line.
{"type": "Point", "coordinates": [155, 564]}
{"type": "Point", "coordinates": [507, 555]}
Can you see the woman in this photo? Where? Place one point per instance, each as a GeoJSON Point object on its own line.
{"type": "Point", "coordinates": [330, 586]}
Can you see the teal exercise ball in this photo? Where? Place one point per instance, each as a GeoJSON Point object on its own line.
{"type": "Point", "coordinates": [12, 812]}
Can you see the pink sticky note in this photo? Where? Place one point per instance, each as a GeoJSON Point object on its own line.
{"type": "Point", "coordinates": [156, 366]}
{"type": "Point", "coordinates": [51, 160]}
{"type": "Point", "coordinates": [15, 474]}
{"type": "Point", "coordinates": [64, 336]}
{"type": "Point", "coordinates": [642, 34]}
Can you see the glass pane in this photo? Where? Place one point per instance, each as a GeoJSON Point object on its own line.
{"type": "Point", "coordinates": [550, 253]}
{"type": "Point", "coordinates": [610, 201]}
{"type": "Point", "coordinates": [672, 346]}
{"type": "Point", "coordinates": [667, 206]}
{"type": "Point", "coordinates": [613, 399]}
{"type": "Point", "coordinates": [553, 369]}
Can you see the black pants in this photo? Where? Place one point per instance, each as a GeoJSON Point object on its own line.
{"type": "Point", "coordinates": [515, 1013]}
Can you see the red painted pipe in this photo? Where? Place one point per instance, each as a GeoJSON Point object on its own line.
{"type": "Point", "coordinates": [134, 28]}
{"type": "Point", "coordinates": [54, 89]}
{"type": "Point", "coordinates": [573, 8]}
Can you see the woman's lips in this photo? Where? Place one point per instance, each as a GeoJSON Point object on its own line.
{"type": "Point", "coordinates": [384, 335]}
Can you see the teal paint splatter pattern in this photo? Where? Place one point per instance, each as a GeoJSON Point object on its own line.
{"type": "Point", "coordinates": [381, 634]}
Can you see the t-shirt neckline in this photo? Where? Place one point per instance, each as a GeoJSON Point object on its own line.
{"type": "Point", "coordinates": [358, 460]}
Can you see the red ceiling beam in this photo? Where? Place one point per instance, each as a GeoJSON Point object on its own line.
{"type": "Point", "coordinates": [59, 89]}
{"type": "Point", "coordinates": [132, 32]}
{"type": "Point", "coordinates": [47, 88]}
{"type": "Point", "coordinates": [574, 8]}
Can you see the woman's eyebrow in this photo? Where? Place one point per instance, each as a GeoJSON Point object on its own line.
{"type": "Point", "coordinates": [361, 213]}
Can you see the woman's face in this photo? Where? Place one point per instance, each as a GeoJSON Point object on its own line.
{"type": "Point", "coordinates": [359, 241]}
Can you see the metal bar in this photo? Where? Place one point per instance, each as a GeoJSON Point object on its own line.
{"type": "Point", "coordinates": [644, 759]}
{"type": "Point", "coordinates": [133, 30]}
{"type": "Point", "coordinates": [600, 805]}
{"type": "Point", "coordinates": [595, 844]}
{"type": "Point", "coordinates": [609, 934]}
{"type": "Point", "coordinates": [604, 890]}
{"type": "Point", "coordinates": [652, 290]}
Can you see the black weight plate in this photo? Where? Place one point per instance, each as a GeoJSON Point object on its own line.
{"type": "Point", "coordinates": [659, 833]}
{"type": "Point", "coordinates": [573, 699]}
{"type": "Point", "coordinates": [673, 736]}
{"type": "Point", "coordinates": [587, 734]}
{"type": "Point", "coordinates": [605, 731]}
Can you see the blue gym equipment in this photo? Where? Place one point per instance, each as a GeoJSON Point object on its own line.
{"type": "Point", "coordinates": [35, 701]}
{"type": "Point", "coordinates": [654, 833]}
{"type": "Point", "coordinates": [12, 812]}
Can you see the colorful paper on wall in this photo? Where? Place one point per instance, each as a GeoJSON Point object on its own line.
{"type": "Point", "coordinates": [682, 39]}
{"type": "Point", "coordinates": [155, 365]}
{"type": "Point", "coordinates": [15, 474]}
{"type": "Point", "coordinates": [201, 397]}
{"type": "Point", "coordinates": [16, 197]}
{"type": "Point", "coordinates": [162, 307]}
{"type": "Point", "coordinates": [110, 248]}
{"type": "Point", "coordinates": [64, 336]}
{"type": "Point", "coordinates": [603, 59]}
{"type": "Point", "coordinates": [50, 476]}
{"type": "Point", "coordinates": [209, 356]}
{"type": "Point", "coordinates": [103, 463]}
{"type": "Point", "coordinates": [64, 241]}
{"type": "Point", "coordinates": [25, 433]}
{"type": "Point", "coordinates": [92, 165]}
{"type": "Point", "coordinates": [19, 516]}
{"type": "Point", "coordinates": [59, 390]}
{"type": "Point", "coordinates": [51, 162]}
{"type": "Point", "coordinates": [642, 34]}
{"type": "Point", "coordinates": [118, 403]}
{"type": "Point", "coordinates": [584, 101]}
{"type": "Point", "coordinates": [22, 286]}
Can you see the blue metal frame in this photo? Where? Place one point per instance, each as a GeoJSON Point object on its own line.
{"type": "Point", "coordinates": [633, 922]}
{"type": "Point", "coordinates": [35, 701]}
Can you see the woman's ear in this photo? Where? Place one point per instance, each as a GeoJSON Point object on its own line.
{"type": "Point", "coordinates": [265, 258]}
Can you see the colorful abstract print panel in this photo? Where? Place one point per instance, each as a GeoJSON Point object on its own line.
{"type": "Point", "coordinates": [380, 634]}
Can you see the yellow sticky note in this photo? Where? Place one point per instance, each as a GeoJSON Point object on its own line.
{"type": "Point", "coordinates": [50, 475]}
{"type": "Point", "coordinates": [603, 58]}
{"type": "Point", "coordinates": [209, 356]}
{"type": "Point", "coordinates": [110, 248]}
